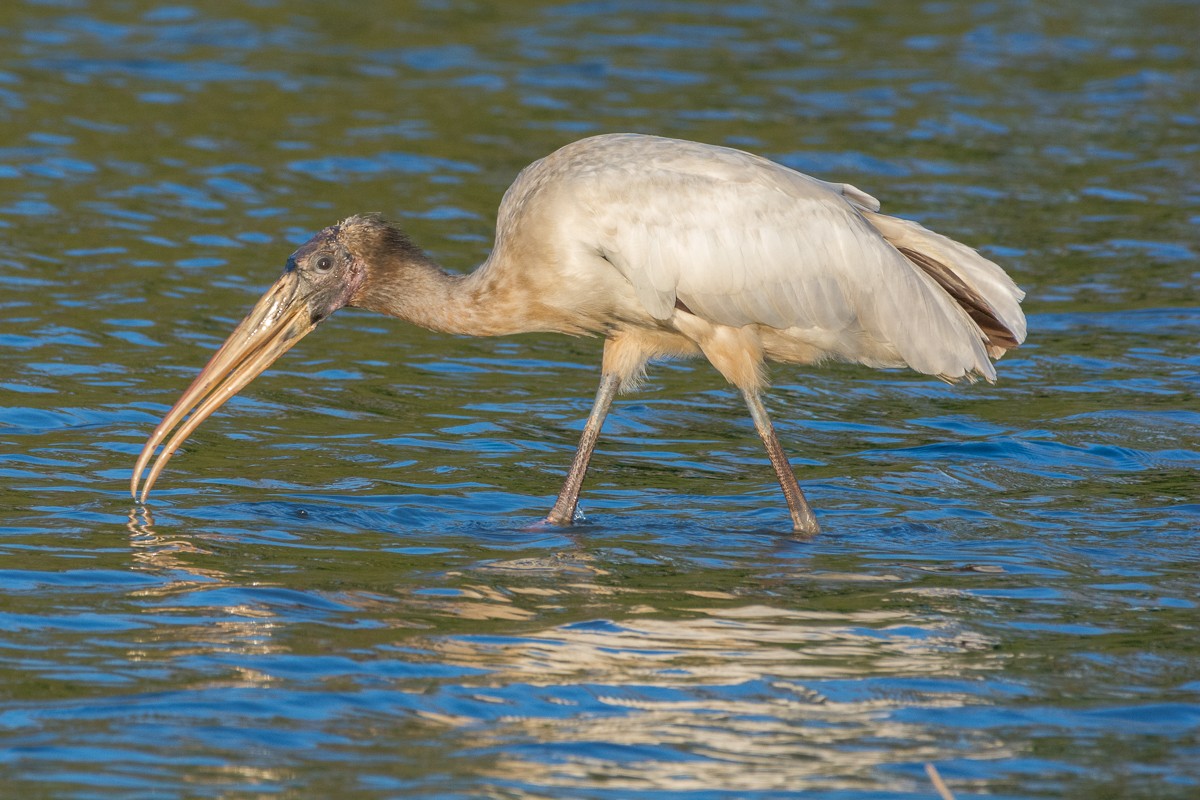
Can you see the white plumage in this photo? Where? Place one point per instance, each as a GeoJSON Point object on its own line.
{"type": "Point", "coordinates": [737, 241]}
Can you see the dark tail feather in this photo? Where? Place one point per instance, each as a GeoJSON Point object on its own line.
{"type": "Point", "coordinates": [984, 291]}
{"type": "Point", "coordinates": [978, 309]}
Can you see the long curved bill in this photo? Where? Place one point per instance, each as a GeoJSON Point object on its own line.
{"type": "Point", "coordinates": [276, 323]}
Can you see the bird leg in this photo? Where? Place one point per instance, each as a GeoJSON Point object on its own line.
{"type": "Point", "coordinates": [563, 512]}
{"type": "Point", "coordinates": [803, 519]}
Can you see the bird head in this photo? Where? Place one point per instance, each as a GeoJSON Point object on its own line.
{"type": "Point", "coordinates": [328, 272]}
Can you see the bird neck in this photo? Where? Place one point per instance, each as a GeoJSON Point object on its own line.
{"type": "Point", "coordinates": [425, 294]}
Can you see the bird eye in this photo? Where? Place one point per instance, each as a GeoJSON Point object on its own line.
{"type": "Point", "coordinates": [324, 264]}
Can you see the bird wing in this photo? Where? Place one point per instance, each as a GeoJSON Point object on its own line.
{"type": "Point", "coordinates": [739, 240]}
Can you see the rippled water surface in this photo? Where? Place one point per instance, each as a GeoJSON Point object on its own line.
{"type": "Point", "coordinates": [337, 590]}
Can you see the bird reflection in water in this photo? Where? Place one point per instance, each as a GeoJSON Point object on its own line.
{"type": "Point", "coordinates": [750, 697]}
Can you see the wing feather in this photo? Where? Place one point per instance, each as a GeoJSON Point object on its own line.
{"type": "Point", "coordinates": [739, 240]}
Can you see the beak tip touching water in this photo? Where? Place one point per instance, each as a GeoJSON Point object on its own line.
{"type": "Point", "coordinates": [277, 322]}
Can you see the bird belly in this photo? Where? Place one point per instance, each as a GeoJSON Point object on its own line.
{"type": "Point", "coordinates": [813, 345]}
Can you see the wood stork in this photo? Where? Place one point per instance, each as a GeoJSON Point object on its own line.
{"type": "Point", "coordinates": [666, 248]}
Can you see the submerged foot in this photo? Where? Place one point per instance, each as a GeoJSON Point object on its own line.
{"type": "Point", "coordinates": [804, 523]}
{"type": "Point", "coordinates": [564, 514]}
{"type": "Point", "coordinates": [563, 521]}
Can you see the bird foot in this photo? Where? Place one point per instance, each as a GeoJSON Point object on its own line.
{"type": "Point", "coordinates": [547, 522]}
{"type": "Point", "coordinates": [559, 519]}
{"type": "Point", "coordinates": [804, 526]}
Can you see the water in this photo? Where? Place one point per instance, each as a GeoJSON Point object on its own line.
{"type": "Point", "coordinates": [337, 590]}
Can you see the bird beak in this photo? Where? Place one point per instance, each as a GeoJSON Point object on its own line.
{"type": "Point", "coordinates": [276, 323]}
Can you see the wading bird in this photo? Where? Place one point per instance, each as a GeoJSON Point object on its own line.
{"type": "Point", "coordinates": [666, 248]}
